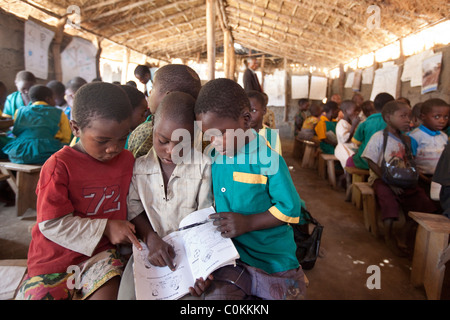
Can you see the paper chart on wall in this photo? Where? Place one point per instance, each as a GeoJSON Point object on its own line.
{"type": "Point", "coordinates": [318, 90]}
{"type": "Point", "coordinates": [274, 87]}
{"type": "Point", "coordinates": [385, 81]}
{"type": "Point", "coordinates": [79, 60]}
{"type": "Point", "coordinates": [299, 87]}
{"type": "Point", "coordinates": [431, 69]}
{"type": "Point", "coordinates": [412, 69]}
{"type": "Point", "coordinates": [36, 43]}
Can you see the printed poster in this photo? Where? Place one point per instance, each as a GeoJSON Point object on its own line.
{"type": "Point", "coordinates": [385, 80]}
{"type": "Point", "coordinates": [37, 40]}
{"type": "Point", "coordinates": [79, 60]}
{"type": "Point", "coordinates": [431, 68]}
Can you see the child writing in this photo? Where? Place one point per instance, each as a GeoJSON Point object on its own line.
{"type": "Point", "coordinates": [390, 197]}
{"type": "Point", "coordinates": [16, 100]}
{"type": "Point", "coordinates": [430, 139]}
{"type": "Point", "coordinates": [326, 127]}
{"type": "Point", "coordinates": [309, 125]}
{"type": "Point", "coordinates": [171, 77]}
{"type": "Point", "coordinates": [40, 129]}
{"type": "Point", "coordinates": [168, 185]}
{"type": "Point", "coordinates": [81, 204]}
{"type": "Point", "coordinates": [255, 200]}
{"type": "Point", "coordinates": [257, 112]}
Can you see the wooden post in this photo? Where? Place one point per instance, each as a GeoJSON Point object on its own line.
{"type": "Point", "coordinates": [263, 61]}
{"type": "Point", "coordinates": [97, 56]}
{"type": "Point", "coordinates": [210, 38]}
{"type": "Point", "coordinates": [287, 89]}
{"type": "Point", "coordinates": [226, 53]}
{"type": "Point", "coordinates": [341, 80]}
{"type": "Point", "coordinates": [56, 47]}
{"type": "Point", "coordinates": [126, 60]}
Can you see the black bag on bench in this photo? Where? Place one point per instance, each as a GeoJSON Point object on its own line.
{"type": "Point", "coordinates": [307, 244]}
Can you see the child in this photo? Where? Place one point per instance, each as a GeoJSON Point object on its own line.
{"type": "Point", "coordinates": [389, 197]}
{"type": "Point", "coordinates": [415, 116]}
{"type": "Point", "coordinates": [139, 105]}
{"type": "Point", "coordinates": [167, 186]}
{"type": "Point", "coordinates": [255, 200]}
{"type": "Point", "coordinates": [269, 117]}
{"type": "Point", "coordinates": [71, 89]}
{"type": "Point", "coordinates": [144, 75]}
{"type": "Point", "coordinates": [441, 178]}
{"type": "Point", "coordinates": [326, 127]}
{"type": "Point", "coordinates": [257, 112]}
{"type": "Point", "coordinates": [40, 129]}
{"type": "Point", "coordinates": [345, 128]}
{"type": "Point", "coordinates": [303, 113]}
{"type": "Point", "coordinates": [309, 125]}
{"type": "Point", "coordinates": [59, 91]}
{"type": "Point", "coordinates": [3, 95]}
{"type": "Point", "coordinates": [171, 77]}
{"type": "Point", "coordinates": [81, 204]}
{"type": "Point", "coordinates": [16, 100]}
{"type": "Point", "coordinates": [366, 129]}
{"type": "Point", "coordinates": [367, 109]}
{"type": "Point", "coordinates": [430, 138]}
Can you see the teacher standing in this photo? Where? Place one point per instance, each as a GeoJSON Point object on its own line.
{"type": "Point", "coordinates": [250, 80]}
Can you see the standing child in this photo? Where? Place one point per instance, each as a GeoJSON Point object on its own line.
{"type": "Point", "coordinates": [16, 100]}
{"type": "Point", "coordinates": [326, 127]}
{"type": "Point", "coordinates": [40, 129]}
{"type": "Point", "coordinates": [168, 183]}
{"type": "Point", "coordinates": [398, 148]}
{"type": "Point", "coordinates": [257, 112]}
{"type": "Point", "coordinates": [430, 139]}
{"type": "Point", "coordinates": [81, 204]}
{"type": "Point", "coordinates": [255, 200]}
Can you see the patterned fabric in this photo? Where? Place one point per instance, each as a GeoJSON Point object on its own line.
{"type": "Point", "coordinates": [94, 272]}
{"type": "Point", "coordinates": [141, 139]}
{"type": "Point", "coordinates": [269, 119]}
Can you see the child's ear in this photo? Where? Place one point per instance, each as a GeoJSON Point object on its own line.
{"type": "Point", "coordinates": [247, 117]}
{"type": "Point", "coordinates": [75, 128]}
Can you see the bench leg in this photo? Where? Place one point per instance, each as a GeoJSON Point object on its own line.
{"type": "Point", "coordinates": [356, 194]}
{"type": "Point", "coordinates": [370, 214]}
{"type": "Point", "coordinates": [331, 173]}
{"type": "Point", "coordinates": [322, 168]}
{"type": "Point", "coordinates": [306, 156]}
{"type": "Point", "coordinates": [419, 256]}
{"type": "Point", "coordinates": [26, 192]}
{"type": "Point", "coordinates": [434, 275]}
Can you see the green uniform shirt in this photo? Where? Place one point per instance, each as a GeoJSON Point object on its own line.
{"type": "Point", "coordinates": [363, 134]}
{"type": "Point", "coordinates": [249, 183]}
{"type": "Point", "coordinates": [13, 102]}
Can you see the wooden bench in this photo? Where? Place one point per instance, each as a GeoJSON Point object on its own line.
{"type": "Point", "coordinates": [369, 207]}
{"type": "Point", "coordinates": [23, 179]}
{"type": "Point", "coordinates": [358, 175]}
{"type": "Point", "coordinates": [20, 268]}
{"type": "Point", "coordinates": [328, 161]}
{"type": "Point", "coordinates": [309, 154]}
{"type": "Point", "coordinates": [431, 252]}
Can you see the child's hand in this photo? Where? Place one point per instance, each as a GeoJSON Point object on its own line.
{"type": "Point", "coordinates": [230, 224]}
{"type": "Point", "coordinates": [120, 232]}
{"type": "Point", "coordinates": [200, 286]}
{"type": "Point", "coordinates": [161, 253]}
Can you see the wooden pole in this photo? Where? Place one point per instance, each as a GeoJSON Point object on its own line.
{"type": "Point", "coordinates": [97, 56]}
{"type": "Point", "coordinates": [56, 47]}
{"type": "Point", "coordinates": [226, 53]}
{"type": "Point", "coordinates": [263, 61]}
{"type": "Point", "coordinates": [210, 38]}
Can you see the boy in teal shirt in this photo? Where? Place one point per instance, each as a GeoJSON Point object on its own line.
{"type": "Point", "coordinates": [255, 199]}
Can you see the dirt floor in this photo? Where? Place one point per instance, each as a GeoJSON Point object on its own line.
{"type": "Point", "coordinates": [348, 251]}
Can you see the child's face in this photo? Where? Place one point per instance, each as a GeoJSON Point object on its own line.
{"type": "Point", "coordinates": [334, 113]}
{"type": "Point", "coordinates": [155, 98]}
{"type": "Point", "coordinates": [304, 106]}
{"type": "Point", "coordinates": [352, 112]}
{"type": "Point", "coordinates": [24, 86]}
{"type": "Point", "coordinates": [102, 139]}
{"type": "Point", "coordinates": [69, 96]}
{"type": "Point", "coordinates": [139, 114]}
{"type": "Point", "coordinates": [400, 119]}
{"type": "Point", "coordinates": [257, 112]}
{"type": "Point", "coordinates": [164, 141]}
{"type": "Point", "coordinates": [436, 119]}
{"type": "Point", "coordinates": [224, 133]}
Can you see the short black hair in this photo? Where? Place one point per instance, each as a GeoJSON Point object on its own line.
{"type": "Point", "coordinates": [40, 93]}
{"type": "Point", "coordinates": [381, 99]}
{"type": "Point", "coordinates": [57, 86]}
{"type": "Point", "coordinates": [302, 101]}
{"type": "Point", "coordinates": [134, 95]}
{"type": "Point", "coordinates": [329, 106]}
{"type": "Point", "coordinates": [25, 76]}
{"type": "Point", "coordinates": [367, 107]}
{"type": "Point", "coordinates": [347, 104]}
{"type": "Point", "coordinates": [100, 99]}
{"type": "Point", "coordinates": [428, 105]}
{"type": "Point", "coordinates": [417, 110]}
{"type": "Point", "coordinates": [223, 97]}
{"type": "Point", "coordinates": [75, 84]}
{"type": "Point", "coordinates": [141, 70]}
{"type": "Point", "coordinates": [176, 106]}
{"type": "Point", "coordinates": [258, 96]}
{"type": "Point", "coordinates": [177, 77]}
{"type": "Point", "coordinates": [390, 107]}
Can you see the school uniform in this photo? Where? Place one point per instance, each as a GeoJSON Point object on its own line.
{"type": "Point", "coordinates": [324, 129]}
{"type": "Point", "coordinates": [13, 102]}
{"type": "Point", "coordinates": [344, 149]}
{"type": "Point", "coordinates": [272, 137]}
{"type": "Point", "coordinates": [430, 145]}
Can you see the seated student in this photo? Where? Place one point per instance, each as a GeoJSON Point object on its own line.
{"type": "Point", "coordinates": [415, 116]}
{"type": "Point", "coordinates": [345, 128]}
{"type": "Point", "coordinates": [81, 204]}
{"type": "Point", "coordinates": [71, 89]}
{"type": "Point", "coordinates": [59, 92]}
{"type": "Point", "coordinates": [303, 113]}
{"type": "Point", "coordinates": [257, 112]}
{"type": "Point", "coordinates": [40, 129]}
{"type": "Point", "coordinates": [167, 185]}
{"type": "Point", "coordinates": [308, 128]}
{"type": "Point", "coordinates": [367, 109]}
{"type": "Point", "coordinates": [255, 200]}
{"type": "Point", "coordinates": [430, 139]}
{"type": "Point", "coordinates": [171, 77]}
{"type": "Point", "coordinates": [441, 179]}
{"type": "Point", "coordinates": [326, 127]}
{"type": "Point", "coordinates": [3, 95]}
{"type": "Point", "coordinates": [367, 128]}
{"type": "Point", "coordinates": [139, 105]}
{"type": "Point", "coordinates": [389, 196]}
{"type": "Point", "coordinates": [16, 100]}
{"type": "Point", "coordinates": [269, 117]}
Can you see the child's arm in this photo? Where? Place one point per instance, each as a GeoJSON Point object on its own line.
{"type": "Point", "coordinates": [375, 168]}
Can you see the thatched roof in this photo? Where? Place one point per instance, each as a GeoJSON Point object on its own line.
{"type": "Point", "coordinates": [319, 33]}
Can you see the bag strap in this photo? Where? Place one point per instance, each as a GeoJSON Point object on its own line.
{"type": "Point", "coordinates": [408, 152]}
